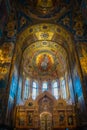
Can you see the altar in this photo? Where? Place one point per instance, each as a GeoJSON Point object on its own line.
{"type": "Point", "coordinates": [45, 113]}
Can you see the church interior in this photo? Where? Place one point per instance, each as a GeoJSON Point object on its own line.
{"type": "Point", "coordinates": [43, 64]}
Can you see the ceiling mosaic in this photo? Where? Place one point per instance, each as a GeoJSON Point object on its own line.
{"type": "Point", "coordinates": [44, 48]}
{"type": "Point", "coordinates": [44, 32]}
{"type": "Point", "coordinates": [44, 8]}
{"type": "Point", "coordinates": [44, 59]}
{"type": "Point", "coordinates": [71, 14]}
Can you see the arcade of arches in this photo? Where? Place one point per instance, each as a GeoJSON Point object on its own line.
{"type": "Point", "coordinates": [43, 80]}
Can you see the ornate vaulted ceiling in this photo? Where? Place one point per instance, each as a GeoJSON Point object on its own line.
{"type": "Point", "coordinates": [44, 51]}
{"type": "Point", "coordinates": [44, 59]}
{"type": "Point", "coordinates": [67, 13]}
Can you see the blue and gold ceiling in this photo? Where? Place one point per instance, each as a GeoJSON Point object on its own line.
{"type": "Point", "coordinates": [71, 14]}
{"type": "Point", "coordinates": [67, 13]}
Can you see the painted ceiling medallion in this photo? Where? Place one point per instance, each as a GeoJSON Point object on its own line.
{"type": "Point", "coordinates": [44, 62]}
{"type": "Point", "coordinates": [44, 59]}
{"type": "Point", "coordinates": [44, 5]}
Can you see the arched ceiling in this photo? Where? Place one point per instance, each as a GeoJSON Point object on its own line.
{"type": "Point", "coordinates": [45, 32]}
{"type": "Point", "coordinates": [44, 59]}
{"type": "Point", "coordinates": [44, 48]}
{"type": "Point", "coordinates": [67, 13]}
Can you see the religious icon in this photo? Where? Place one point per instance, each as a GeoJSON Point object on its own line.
{"type": "Point", "coordinates": [30, 118]}
{"type": "Point", "coordinates": [44, 63]}
{"type": "Point", "coordinates": [61, 118]}
{"type": "Point", "coordinates": [44, 5]}
{"type": "Point", "coordinates": [30, 104]}
{"type": "Point", "coordinates": [21, 121]}
{"type": "Point", "coordinates": [21, 118]}
{"type": "Point", "coordinates": [70, 120]}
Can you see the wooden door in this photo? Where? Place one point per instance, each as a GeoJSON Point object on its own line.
{"type": "Point", "coordinates": [46, 121]}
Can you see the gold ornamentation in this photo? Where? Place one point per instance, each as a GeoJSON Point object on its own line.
{"type": "Point", "coordinates": [10, 33]}
{"type": "Point", "coordinates": [22, 21]}
{"type": "Point", "coordinates": [51, 30]}
{"type": "Point", "coordinates": [5, 58]}
{"type": "Point", "coordinates": [44, 5]}
{"type": "Point", "coordinates": [66, 21]}
{"type": "Point", "coordinates": [83, 60]}
{"type": "Point", "coordinates": [11, 25]}
{"type": "Point", "coordinates": [78, 27]}
{"type": "Point", "coordinates": [3, 70]}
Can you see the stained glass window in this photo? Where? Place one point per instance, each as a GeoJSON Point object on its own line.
{"type": "Point", "coordinates": [34, 90]}
{"type": "Point", "coordinates": [63, 88]}
{"type": "Point", "coordinates": [26, 90]}
{"type": "Point", "coordinates": [44, 86]}
{"type": "Point", "coordinates": [55, 89]}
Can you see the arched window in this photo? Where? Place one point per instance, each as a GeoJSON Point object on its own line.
{"type": "Point", "coordinates": [63, 88]}
{"type": "Point", "coordinates": [34, 90]}
{"type": "Point", "coordinates": [44, 86]}
{"type": "Point", "coordinates": [55, 89]}
{"type": "Point", "coordinates": [26, 89]}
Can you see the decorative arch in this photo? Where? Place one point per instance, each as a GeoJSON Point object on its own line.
{"type": "Point", "coordinates": [45, 31]}
{"type": "Point", "coordinates": [46, 93]}
{"type": "Point", "coordinates": [61, 103]}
